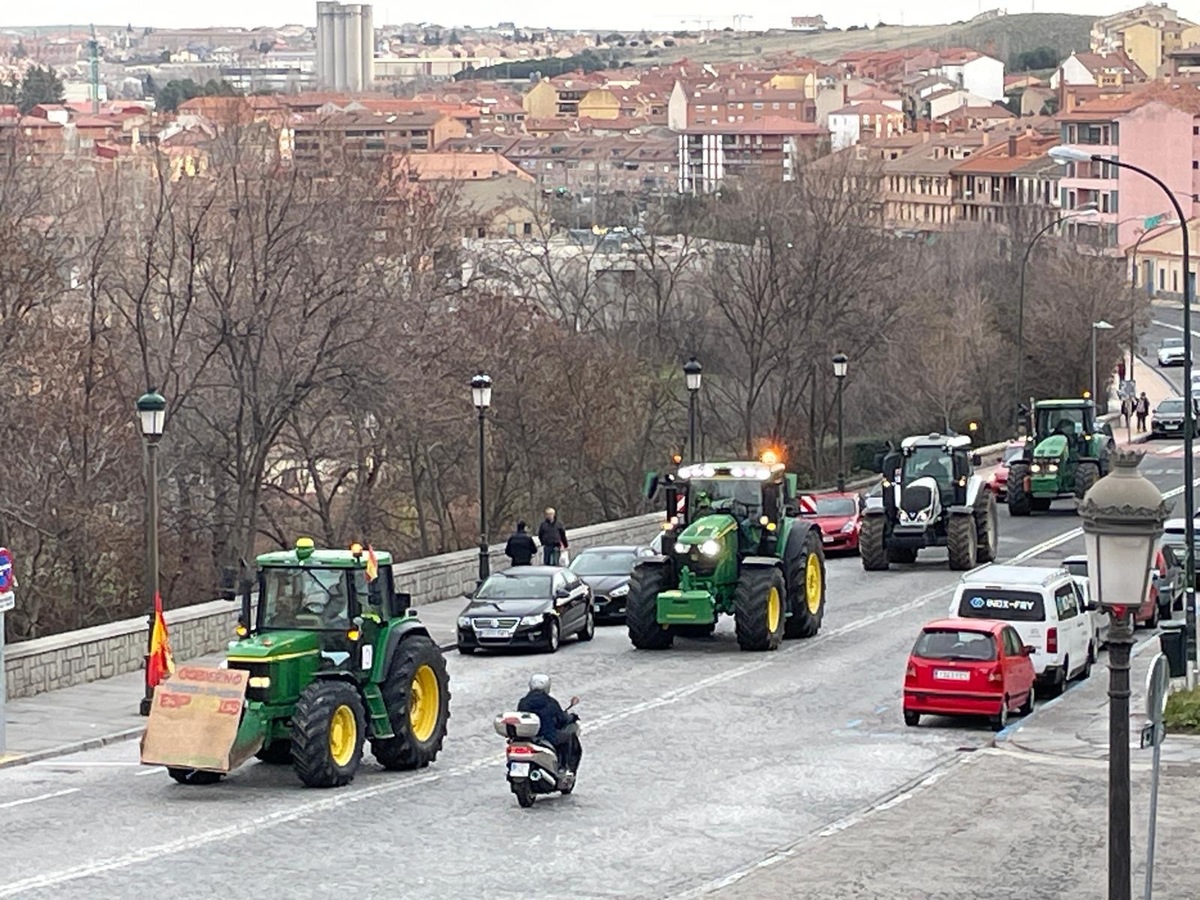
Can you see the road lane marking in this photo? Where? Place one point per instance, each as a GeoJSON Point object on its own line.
{"type": "Point", "coordinates": [346, 797]}
{"type": "Point", "coordinates": [11, 803]}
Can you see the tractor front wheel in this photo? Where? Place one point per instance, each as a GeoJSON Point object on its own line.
{"type": "Point", "coordinates": [962, 542]}
{"type": "Point", "coordinates": [194, 776]}
{"type": "Point", "coordinates": [985, 525]}
{"type": "Point", "coordinates": [641, 609]}
{"type": "Point", "coordinates": [872, 546]}
{"type": "Point", "coordinates": [804, 564]}
{"type": "Point", "coordinates": [328, 727]}
{"type": "Point", "coordinates": [1020, 503]}
{"type": "Point", "coordinates": [758, 608]}
{"type": "Point", "coordinates": [417, 696]}
{"type": "Point", "coordinates": [1086, 474]}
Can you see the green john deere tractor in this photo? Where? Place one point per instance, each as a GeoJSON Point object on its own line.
{"type": "Point", "coordinates": [734, 544]}
{"type": "Point", "coordinates": [1066, 452]}
{"type": "Point", "coordinates": [332, 658]}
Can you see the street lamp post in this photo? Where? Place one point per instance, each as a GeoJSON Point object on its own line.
{"type": "Point", "coordinates": [152, 409]}
{"type": "Point", "coordinates": [1163, 223]}
{"type": "Point", "coordinates": [1063, 155]}
{"type": "Point", "coordinates": [840, 363]}
{"type": "Point", "coordinates": [481, 396]}
{"type": "Point", "coordinates": [1123, 517]}
{"type": "Point", "coordinates": [1078, 212]}
{"type": "Point", "coordinates": [1098, 326]}
{"type": "Point", "coordinates": [692, 374]}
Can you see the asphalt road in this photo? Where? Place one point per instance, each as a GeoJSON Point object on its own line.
{"type": "Point", "coordinates": [697, 761]}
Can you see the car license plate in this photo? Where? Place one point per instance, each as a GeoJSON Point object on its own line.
{"type": "Point", "coordinates": [519, 770]}
{"type": "Point", "coordinates": [951, 675]}
{"type": "Point", "coordinates": [827, 538]}
{"type": "Point", "coordinates": [493, 633]}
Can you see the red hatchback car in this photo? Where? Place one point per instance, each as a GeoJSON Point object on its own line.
{"type": "Point", "coordinates": [839, 517]}
{"type": "Point", "coordinates": [998, 483]}
{"type": "Point", "coordinates": [968, 667]}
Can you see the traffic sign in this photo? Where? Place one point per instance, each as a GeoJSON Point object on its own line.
{"type": "Point", "coordinates": [1152, 221]}
{"type": "Point", "coordinates": [6, 570]}
{"type": "Point", "coordinates": [1158, 686]}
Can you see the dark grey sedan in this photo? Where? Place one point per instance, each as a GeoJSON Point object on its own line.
{"type": "Point", "coordinates": [606, 571]}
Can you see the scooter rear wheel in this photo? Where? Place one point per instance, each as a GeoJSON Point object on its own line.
{"type": "Point", "coordinates": [524, 792]}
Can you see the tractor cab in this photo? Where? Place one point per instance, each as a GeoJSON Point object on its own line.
{"type": "Point", "coordinates": [946, 460]}
{"type": "Point", "coordinates": [328, 596]}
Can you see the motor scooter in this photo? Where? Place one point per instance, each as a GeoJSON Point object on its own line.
{"type": "Point", "coordinates": [533, 766]}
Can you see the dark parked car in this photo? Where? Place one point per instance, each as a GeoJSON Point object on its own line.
{"type": "Point", "coordinates": [527, 606]}
{"type": "Point", "coordinates": [606, 571]}
{"type": "Point", "coordinates": [1167, 418]}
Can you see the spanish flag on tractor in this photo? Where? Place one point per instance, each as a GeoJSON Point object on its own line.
{"type": "Point", "coordinates": [372, 564]}
{"type": "Point", "coordinates": [161, 661]}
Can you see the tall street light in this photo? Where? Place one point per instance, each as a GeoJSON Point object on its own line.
{"type": "Point", "coordinates": [152, 412]}
{"type": "Point", "coordinates": [1123, 517]}
{"type": "Point", "coordinates": [1150, 225]}
{"type": "Point", "coordinates": [840, 363]}
{"type": "Point", "coordinates": [481, 396]}
{"type": "Point", "coordinates": [1064, 155]}
{"type": "Point", "coordinates": [1079, 212]}
{"type": "Point", "coordinates": [1098, 326]}
{"type": "Point", "coordinates": [691, 374]}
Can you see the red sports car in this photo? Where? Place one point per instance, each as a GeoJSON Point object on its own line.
{"type": "Point", "coordinates": [838, 515]}
{"type": "Point", "coordinates": [998, 483]}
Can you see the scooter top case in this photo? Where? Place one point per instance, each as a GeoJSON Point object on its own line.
{"type": "Point", "coordinates": [517, 725]}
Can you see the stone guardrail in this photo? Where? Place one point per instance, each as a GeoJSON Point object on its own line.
{"type": "Point", "coordinates": [74, 657]}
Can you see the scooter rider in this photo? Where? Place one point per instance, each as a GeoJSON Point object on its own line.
{"type": "Point", "coordinates": [550, 713]}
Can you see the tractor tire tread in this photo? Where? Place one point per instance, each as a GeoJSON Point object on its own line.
{"type": "Point", "coordinates": [1020, 503]}
{"type": "Point", "coordinates": [986, 531]}
{"type": "Point", "coordinates": [750, 608]}
{"type": "Point", "coordinates": [962, 542]}
{"type": "Point", "coordinates": [403, 751]}
{"type": "Point", "coordinates": [641, 609]}
{"type": "Point", "coordinates": [311, 721]}
{"type": "Point", "coordinates": [800, 546]}
{"type": "Point", "coordinates": [872, 547]}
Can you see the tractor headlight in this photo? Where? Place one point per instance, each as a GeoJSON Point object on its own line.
{"type": "Point", "coordinates": [259, 681]}
{"type": "Point", "coordinates": [1053, 467]}
{"type": "Point", "coordinates": [619, 592]}
{"type": "Point", "coordinates": [532, 620]}
{"type": "Point", "coordinates": [1035, 468]}
{"type": "Point", "coordinates": [681, 547]}
{"type": "Point", "coordinates": [464, 622]}
{"type": "Point", "coordinates": [710, 548]}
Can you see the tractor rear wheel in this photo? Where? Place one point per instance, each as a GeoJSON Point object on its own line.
{"type": "Point", "coordinates": [194, 776]}
{"type": "Point", "coordinates": [804, 566]}
{"type": "Point", "coordinates": [962, 542]}
{"type": "Point", "coordinates": [328, 727]}
{"type": "Point", "coordinates": [417, 696]}
{"type": "Point", "coordinates": [758, 608]}
{"type": "Point", "coordinates": [1086, 474]}
{"type": "Point", "coordinates": [641, 609]}
{"type": "Point", "coordinates": [985, 525]}
{"type": "Point", "coordinates": [1019, 501]}
{"type": "Point", "coordinates": [278, 753]}
{"type": "Point", "coordinates": [871, 544]}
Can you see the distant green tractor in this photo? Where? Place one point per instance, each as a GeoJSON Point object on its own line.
{"type": "Point", "coordinates": [333, 657]}
{"type": "Point", "coordinates": [1066, 452]}
{"type": "Point", "coordinates": [732, 544]}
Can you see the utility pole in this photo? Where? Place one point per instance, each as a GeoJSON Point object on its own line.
{"type": "Point", "coordinates": [94, 61]}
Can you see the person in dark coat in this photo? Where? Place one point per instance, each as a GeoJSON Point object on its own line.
{"type": "Point", "coordinates": [1142, 409]}
{"type": "Point", "coordinates": [520, 547]}
{"type": "Point", "coordinates": [552, 536]}
{"type": "Point", "coordinates": [550, 714]}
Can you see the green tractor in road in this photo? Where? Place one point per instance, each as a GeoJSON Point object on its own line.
{"type": "Point", "coordinates": [332, 658]}
{"type": "Point", "coordinates": [732, 544]}
{"type": "Point", "coordinates": [1066, 452]}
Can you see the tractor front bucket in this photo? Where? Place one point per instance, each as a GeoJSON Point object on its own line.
{"type": "Point", "coordinates": [693, 607]}
{"type": "Point", "coordinates": [200, 720]}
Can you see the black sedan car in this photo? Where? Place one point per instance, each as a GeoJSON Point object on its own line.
{"type": "Point", "coordinates": [606, 571]}
{"type": "Point", "coordinates": [527, 606]}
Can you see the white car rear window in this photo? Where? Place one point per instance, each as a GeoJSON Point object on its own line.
{"type": "Point", "coordinates": [1009, 606]}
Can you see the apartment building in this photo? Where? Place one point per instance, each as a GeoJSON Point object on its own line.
{"type": "Point", "coordinates": [771, 149]}
{"type": "Point", "coordinates": [1011, 183]}
{"type": "Point", "coordinates": [1147, 34]}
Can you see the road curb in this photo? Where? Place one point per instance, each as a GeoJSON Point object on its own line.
{"type": "Point", "coordinates": [76, 747]}
{"type": "Point", "coordinates": [104, 740]}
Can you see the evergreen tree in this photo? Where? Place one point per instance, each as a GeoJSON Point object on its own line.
{"type": "Point", "coordinates": [40, 86]}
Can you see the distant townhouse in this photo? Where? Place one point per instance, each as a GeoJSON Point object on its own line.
{"type": "Point", "coordinates": [1012, 183]}
{"type": "Point", "coordinates": [1105, 69]}
{"type": "Point", "coordinates": [708, 105]}
{"type": "Point", "coordinates": [1148, 34]}
{"type": "Point", "coordinates": [920, 189]}
{"type": "Point", "coordinates": [335, 139]}
{"type": "Point", "coordinates": [863, 120]}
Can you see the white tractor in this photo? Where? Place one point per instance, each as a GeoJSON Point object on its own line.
{"type": "Point", "coordinates": [931, 498]}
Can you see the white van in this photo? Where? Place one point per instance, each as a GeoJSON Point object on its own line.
{"type": "Point", "coordinates": [1045, 606]}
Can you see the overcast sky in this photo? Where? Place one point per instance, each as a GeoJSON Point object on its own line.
{"type": "Point", "coordinates": [665, 14]}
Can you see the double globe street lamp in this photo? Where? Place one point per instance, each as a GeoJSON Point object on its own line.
{"type": "Point", "coordinates": [481, 396]}
{"type": "Point", "coordinates": [152, 413]}
{"type": "Point", "coordinates": [1123, 516]}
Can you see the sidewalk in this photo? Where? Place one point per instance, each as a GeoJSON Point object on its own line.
{"type": "Point", "coordinates": [87, 716]}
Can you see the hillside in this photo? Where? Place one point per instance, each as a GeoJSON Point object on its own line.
{"type": "Point", "coordinates": [1002, 37]}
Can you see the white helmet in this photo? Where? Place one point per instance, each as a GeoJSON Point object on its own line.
{"type": "Point", "coordinates": [540, 682]}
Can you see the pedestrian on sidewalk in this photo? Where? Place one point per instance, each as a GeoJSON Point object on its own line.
{"type": "Point", "coordinates": [1126, 409]}
{"type": "Point", "coordinates": [553, 538]}
{"type": "Point", "coordinates": [520, 547]}
{"type": "Point", "coordinates": [1142, 409]}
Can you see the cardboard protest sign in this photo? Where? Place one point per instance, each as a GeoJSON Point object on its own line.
{"type": "Point", "coordinates": [195, 719]}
